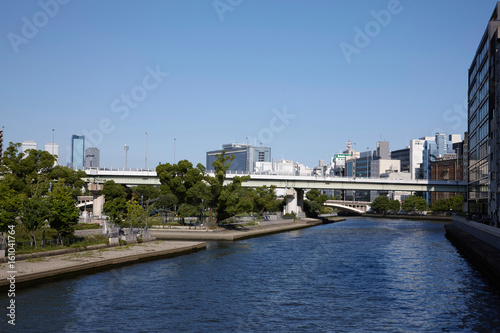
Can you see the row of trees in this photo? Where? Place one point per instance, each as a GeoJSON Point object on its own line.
{"type": "Point", "coordinates": [38, 192]}
{"type": "Point", "coordinates": [189, 191]}
{"type": "Point", "coordinates": [383, 204]}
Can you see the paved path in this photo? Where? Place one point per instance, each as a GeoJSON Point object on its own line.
{"type": "Point", "coordinates": [232, 235]}
{"type": "Point", "coordinates": [35, 270]}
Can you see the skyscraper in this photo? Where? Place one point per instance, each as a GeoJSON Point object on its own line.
{"type": "Point", "coordinates": [53, 149]}
{"type": "Point", "coordinates": [92, 156]}
{"type": "Point", "coordinates": [483, 125]}
{"type": "Point", "coordinates": [77, 151]}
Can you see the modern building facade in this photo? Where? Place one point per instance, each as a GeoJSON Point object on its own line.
{"type": "Point", "coordinates": [53, 149]}
{"type": "Point", "coordinates": [92, 156]}
{"type": "Point", "coordinates": [27, 145]}
{"type": "Point", "coordinates": [245, 156]}
{"type": "Point", "coordinates": [77, 151]}
{"type": "Point", "coordinates": [484, 124]}
{"type": "Point", "coordinates": [403, 155]}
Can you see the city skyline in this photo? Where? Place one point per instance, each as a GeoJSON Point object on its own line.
{"type": "Point", "coordinates": [303, 84]}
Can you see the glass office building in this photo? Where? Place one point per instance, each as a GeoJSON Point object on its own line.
{"type": "Point", "coordinates": [77, 151]}
{"type": "Point", "coordinates": [245, 156]}
{"type": "Point", "coordinates": [483, 126]}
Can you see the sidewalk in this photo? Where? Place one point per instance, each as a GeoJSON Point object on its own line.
{"type": "Point", "coordinates": [46, 268]}
{"type": "Point", "coordinates": [233, 235]}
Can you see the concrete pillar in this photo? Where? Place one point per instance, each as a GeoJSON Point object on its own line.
{"type": "Point", "coordinates": [98, 204]}
{"type": "Point", "coordinates": [294, 201]}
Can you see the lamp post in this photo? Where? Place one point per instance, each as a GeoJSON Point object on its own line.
{"type": "Point", "coordinates": [53, 131]}
{"type": "Point", "coordinates": [146, 161]}
{"type": "Point", "coordinates": [174, 149]}
{"type": "Point", "coordinates": [367, 169]}
{"type": "Point", "coordinates": [354, 161]}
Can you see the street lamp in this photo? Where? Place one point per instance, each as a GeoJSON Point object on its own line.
{"type": "Point", "coordinates": [146, 150]}
{"type": "Point", "coordinates": [367, 151]}
{"type": "Point", "coordinates": [53, 130]}
{"type": "Point", "coordinates": [174, 150]}
{"type": "Point", "coordinates": [354, 161]}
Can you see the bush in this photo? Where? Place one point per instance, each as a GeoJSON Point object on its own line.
{"type": "Point", "coordinates": [289, 216]}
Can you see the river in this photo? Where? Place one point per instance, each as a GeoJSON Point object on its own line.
{"type": "Point", "coordinates": [360, 275]}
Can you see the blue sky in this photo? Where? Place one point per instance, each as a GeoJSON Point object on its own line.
{"type": "Point", "coordinates": [213, 72]}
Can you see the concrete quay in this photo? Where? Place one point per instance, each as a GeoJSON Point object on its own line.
{"type": "Point", "coordinates": [42, 269]}
{"type": "Point", "coordinates": [233, 235]}
{"type": "Point", "coordinates": [479, 242]}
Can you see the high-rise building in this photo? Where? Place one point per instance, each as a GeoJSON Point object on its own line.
{"type": "Point", "coordinates": [92, 156]}
{"type": "Point", "coordinates": [26, 145]}
{"type": "Point", "coordinates": [435, 148]}
{"type": "Point", "coordinates": [77, 151]}
{"type": "Point", "coordinates": [403, 155]}
{"type": "Point", "coordinates": [484, 125]}
{"type": "Point", "coordinates": [245, 156]}
{"type": "Point", "coordinates": [53, 149]}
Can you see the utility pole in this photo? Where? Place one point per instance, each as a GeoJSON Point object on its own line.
{"type": "Point", "coordinates": [146, 151]}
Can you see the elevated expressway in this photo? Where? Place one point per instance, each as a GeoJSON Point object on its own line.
{"type": "Point", "coordinates": [294, 185]}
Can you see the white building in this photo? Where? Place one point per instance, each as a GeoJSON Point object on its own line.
{"type": "Point", "coordinates": [416, 157]}
{"type": "Point", "coordinates": [383, 166]}
{"type": "Point", "coordinates": [26, 145]}
{"type": "Point", "coordinates": [53, 149]}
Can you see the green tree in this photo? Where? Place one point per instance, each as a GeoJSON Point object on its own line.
{"type": "Point", "coordinates": [112, 190]}
{"type": "Point", "coordinates": [63, 213]}
{"type": "Point", "coordinates": [413, 203]}
{"type": "Point", "coordinates": [10, 202]}
{"type": "Point", "coordinates": [136, 215]}
{"type": "Point", "coordinates": [116, 210]}
{"type": "Point", "coordinates": [166, 201]}
{"type": "Point", "coordinates": [313, 206]}
{"type": "Point", "coordinates": [441, 205]}
{"type": "Point", "coordinates": [27, 167]}
{"type": "Point", "coordinates": [115, 205]}
{"type": "Point", "coordinates": [34, 212]}
{"type": "Point", "coordinates": [72, 179]}
{"type": "Point", "coordinates": [265, 199]}
{"type": "Point", "coordinates": [456, 203]}
{"type": "Point", "coordinates": [145, 192]}
{"type": "Point", "coordinates": [179, 178]}
{"type": "Point", "coordinates": [225, 199]}
{"type": "Point", "coordinates": [394, 205]}
{"type": "Point", "coordinates": [381, 204]}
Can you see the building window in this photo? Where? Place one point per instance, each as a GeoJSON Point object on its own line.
{"type": "Point", "coordinates": [262, 156]}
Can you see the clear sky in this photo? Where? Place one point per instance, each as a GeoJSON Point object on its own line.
{"type": "Point", "coordinates": [302, 77]}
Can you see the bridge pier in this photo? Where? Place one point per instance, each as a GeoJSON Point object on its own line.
{"type": "Point", "coordinates": [294, 201]}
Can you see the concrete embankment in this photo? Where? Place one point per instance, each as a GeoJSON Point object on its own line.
{"type": "Point", "coordinates": [479, 242]}
{"type": "Point", "coordinates": [410, 217]}
{"type": "Point", "coordinates": [56, 267]}
{"type": "Point", "coordinates": [232, 235]}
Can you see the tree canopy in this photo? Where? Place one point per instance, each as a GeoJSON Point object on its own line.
{"type": "Point", "coordinates": [414, 203]}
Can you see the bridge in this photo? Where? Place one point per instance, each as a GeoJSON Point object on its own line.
{"type": "Point", "coordinates": [294, 185]}
{"type": "Point", "coordinates": [358, 207]}
{"type": "Point", "coordinates": [149, 177]}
